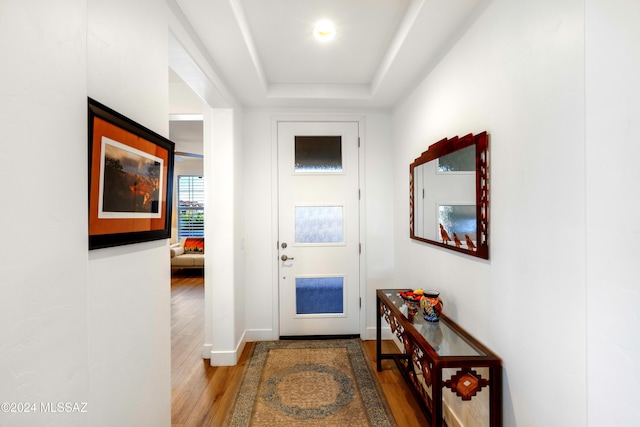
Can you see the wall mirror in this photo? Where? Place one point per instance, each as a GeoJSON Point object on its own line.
{"type": "Point", "coordinates": [449, 188]}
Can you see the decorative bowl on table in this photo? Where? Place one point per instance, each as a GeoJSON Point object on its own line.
{"type": "Point", "coordinates": [412, 299]}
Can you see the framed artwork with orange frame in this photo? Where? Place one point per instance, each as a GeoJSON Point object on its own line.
{"type": "Point", "coordinates": [130, 180]}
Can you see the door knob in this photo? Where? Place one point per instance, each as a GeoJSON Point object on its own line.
{"type": "Point", "coordinates": [285, 258]}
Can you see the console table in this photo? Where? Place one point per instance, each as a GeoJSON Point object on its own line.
{"type": "Point", "coordinates": [439, 357]}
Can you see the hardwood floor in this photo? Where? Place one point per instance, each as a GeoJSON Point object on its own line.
{"type": "Point", "coordinates": [201, 394]}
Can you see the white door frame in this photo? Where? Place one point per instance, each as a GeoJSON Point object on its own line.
{"type": "Point", "coordinates": [275, 321]}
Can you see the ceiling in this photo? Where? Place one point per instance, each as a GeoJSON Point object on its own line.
{"type": "Point", "coordinates": [266, 56]}
{"type": "Point", "coordinates": [185, 118]}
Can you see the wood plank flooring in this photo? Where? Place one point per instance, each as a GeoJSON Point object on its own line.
{"type": "Point", "coordinates": [201, 394]}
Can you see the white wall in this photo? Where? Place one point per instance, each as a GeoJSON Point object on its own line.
{"type": "Point", "coordinates": [80, 326]}
{"type": "Point", "coordinates": [518, 73]}
{"type": "Point", "coordinates": [129, 286]}
{"type": "Point", "coordinates": [261, 212]}
{"type": "Point", "coordinates": [43, 259]}
{"type": "Point", "coordinates": [240, 292]}
{"type": "Point", "coordinates": [259, 237]}
{"type": "Point", "coordinates": [224, 263]}
{"type": "Point", "coordinates": [189, 167]}
{"type": "Point", "coordinates": [613, 208]}
{"type": "Point", "coordinates": [222, 143]}
{"type": "Point", "coordinates": [379, 212]}
{"type": "Point", "coordinates": [77, 325]}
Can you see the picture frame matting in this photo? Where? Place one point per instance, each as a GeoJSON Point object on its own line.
{"type": "Point", "coordinates": [130, 180]}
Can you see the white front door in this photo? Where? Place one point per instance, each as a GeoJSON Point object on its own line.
{"type": "Point", "coordinates": [318, 242]}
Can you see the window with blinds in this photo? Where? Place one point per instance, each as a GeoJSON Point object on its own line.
{"type": "Point", "coordinates": [190, 206]}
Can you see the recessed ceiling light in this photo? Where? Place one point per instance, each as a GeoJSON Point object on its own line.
{"type": "Point", "coordinates": [324, 31]}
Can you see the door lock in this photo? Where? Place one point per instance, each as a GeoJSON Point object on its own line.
{"type": "Point", "coordinates": [285, 258]}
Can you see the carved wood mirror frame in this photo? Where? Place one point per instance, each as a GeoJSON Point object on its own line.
{"type": "Point", "coordinates": [478, 247]}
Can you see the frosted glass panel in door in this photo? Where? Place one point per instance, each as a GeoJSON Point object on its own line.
{"type": "Point", "coordinates": [319, 224]}
{"type": "Point", "coordinates": [318, 154]}
{"type": "Point", "coordinates": [319, 295]}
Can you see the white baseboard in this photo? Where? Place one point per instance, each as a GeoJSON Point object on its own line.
{"type": "Point", "coordinates": [229, 357]}
{"type": "Point", "coordinates": [206, 351]}
{"type": "Point", "coordinates": [370, 333]}
{"type": "Point", "coordinates": [261, 335]}
{"type": "Point", "coordinates": [223, 358]}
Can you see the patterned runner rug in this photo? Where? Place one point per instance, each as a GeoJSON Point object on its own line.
{"type": "Point", "coordinates": [309, 383]}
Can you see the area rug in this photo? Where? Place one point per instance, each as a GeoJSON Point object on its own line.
{"type": "Point", "coordinates": [309, 383]}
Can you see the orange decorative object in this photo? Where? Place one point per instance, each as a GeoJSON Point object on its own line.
{"type": "Point", "coordinates": [431, 305]}
{"type": "Point", "coordinates": [466, 383]}
{"type": "Point", "coordinates": [445, 236]}
{"type": "Point", "coordinates": [194, 245]}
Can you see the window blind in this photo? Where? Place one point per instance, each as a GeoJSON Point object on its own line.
{"type": "Point", "coordinates": [190, 206]}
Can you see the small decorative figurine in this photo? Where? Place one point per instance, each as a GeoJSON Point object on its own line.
{"type": "Point", "coordinates": [456, 240]}
{"type": "Point", "coordinates": [445, 236]}
{"type": "Point", "coordinates": [470, 244]}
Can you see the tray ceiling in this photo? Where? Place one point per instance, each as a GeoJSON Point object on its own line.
{"type": "Point", "coordinates": [265, 53]}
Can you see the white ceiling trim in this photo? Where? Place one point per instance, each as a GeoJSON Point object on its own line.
{"type": "Point", "coordinates": [274, 67]}
{"type": "Point", "coordinates": [326, 91]}
{"type": "Point", "coordinates": [203, 79]}
{"type": "Point", "coordinates": [241, 20]}
{"type": "Point", "coordinates": [319, 91]}
{"type": "Point", "coordinates": [408, 20]}
{"type": "Point", "coordinates": [185, 117]}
